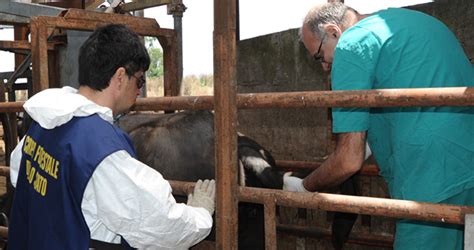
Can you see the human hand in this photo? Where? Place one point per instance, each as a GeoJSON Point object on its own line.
{"type": "Point", "coordinates": [293, 183]}
{"type": "Point", "coordinates": [204, 195]}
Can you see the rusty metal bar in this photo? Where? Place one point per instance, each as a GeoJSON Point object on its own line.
{"type": "Point", "coordinates": [354, 238]}
{"type": "Point", "coordinates": [360, 205]}
{"type": "Point", "coordinates": [4, 171]}
{"type": "Point", "coordinates": [3, 232]}
{"type": "Point", "coordinates": [434, 97]}
{"type": "Point", "coordinates": [369, 169]}
{"type": "Point", "coordinates": [184, 188]}
{"type": "Point", "coordinates": [39, 54]}
{"type": "Point", "coordinates": [225, 123]}
{"type": "Point", "coordinates": [402, 209]}
{"type": "Point", "coordinates": [76, 19]}
{"type": "Point", "coordinates": [8, 107]}
{"type": "Point", "coordinates": [140, 25]}
{"type": "Point", "coordinates": [142, 4]}
{"type": "Point", "coordinates": [453, 96]}
{"type": "Point", "coordinates": [170, 75]}
{"type": "Point", "coordinates": [20, 45]}
{"type": "Point", "coordinates": [450, 96]}
{"type": "Point", "coordinates": [269, 207]}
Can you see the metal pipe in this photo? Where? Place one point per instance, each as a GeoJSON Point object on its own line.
{"type": "Point", "coordinates": [4, 171]}
{"type": "Point", "coordinates": [225, 123]}
{"type": "Point", "coordinates": [269, 207]}
{"type": "Point", "coordinates": [360, 205]}
{"type": "Point", "coordinates": [3, 232]}
{"type": "Point", "coordinates": [453, 96]}
{"type": "Point", "coordinates": [458, 96]}
{"type": "Point", "coordinates": [177, 8]}
{"type": "Point", "coordinates": [402, 209]}
{"type": "Point", "coordinates": [369, 169]}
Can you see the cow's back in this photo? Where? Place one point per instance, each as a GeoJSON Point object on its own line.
{"type": "Point", "coordinates": [165, 141]}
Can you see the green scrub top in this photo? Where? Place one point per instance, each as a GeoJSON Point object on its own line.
{"type": "Point", "coordinates": [424, 153]}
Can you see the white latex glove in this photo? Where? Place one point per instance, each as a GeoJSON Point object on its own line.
{"type": "Point", "coordinates": [292, 183]}
{"type": "Point", "coordinates": [368, 152]}
{"type": "Point", "coordinates": [204, 195]}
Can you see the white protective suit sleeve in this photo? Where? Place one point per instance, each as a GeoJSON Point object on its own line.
{"type": "Point", "coordinates": [150, 220]}
{"type": "Point", "coordinates": [15, 160]}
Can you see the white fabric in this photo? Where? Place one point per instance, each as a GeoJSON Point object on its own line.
{"type": "Point", "coordinates": [124, 196]}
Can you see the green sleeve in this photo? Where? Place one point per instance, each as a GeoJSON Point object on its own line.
{"type": "Point", "coordinates": [353, 68]}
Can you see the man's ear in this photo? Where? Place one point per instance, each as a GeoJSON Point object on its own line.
{"type": "Point", "coordinates": [120, 77]}
{"type": "Point", "coordinates": [333, 30]}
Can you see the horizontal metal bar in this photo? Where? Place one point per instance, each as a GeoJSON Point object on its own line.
{"type": "Point", "coordinates": [4, 171]}
{"type": "Point", "coordinates": [360, 205]}
{"type": "Point", "coordinates": [367, 169]}
{"type": "Point", "coordinates": [402, 209]}
{"type": "Point", "coordinates": [143, 4]}
{"type": "Point", "coordinates": [7, 107]}
{"type": "Point", "coordinates": [20, 45]}
{"type": "Point", "coordinates": [140, 25]}
{"type": "Point", "coordinates": [456, 96]}
{"type": "Point", "coordinates": [4, 232]}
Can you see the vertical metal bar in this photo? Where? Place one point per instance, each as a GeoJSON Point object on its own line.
{"type": "Point", "coordinates": [170, 68]}
{"type": "Point", "coordinates": [35, 60]}
{"type": "Point", "coordinates": [225, 86]}
{"type": "Point", "coordinates": [141, 13]}
{"type": "Point", "coordinates": [270, 223]}
{"type": "Point", "coordinates": [469, 232]}
{"type": "Point", "coordinates": [179, 51]}
{"type": "Point", "coordinates": [39, 52]}
{"type": "Point", "coordinates": [20, 34]}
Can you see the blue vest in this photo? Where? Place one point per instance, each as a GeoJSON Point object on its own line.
{"type": "Point", "coordinates": [55, 168]}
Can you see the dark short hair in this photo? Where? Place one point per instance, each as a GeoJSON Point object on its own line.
{"type": "Point", "coordinates": [107, 49]}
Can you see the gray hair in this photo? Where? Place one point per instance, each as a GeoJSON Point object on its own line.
{"type": "Point", "coordinates": [329, 13]}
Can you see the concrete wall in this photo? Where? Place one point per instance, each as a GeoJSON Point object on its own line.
{"type": "Point", "coordinates": [279, 63]}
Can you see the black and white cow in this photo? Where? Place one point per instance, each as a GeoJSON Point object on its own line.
{"type": "Point", "coordinates": [181, 147]}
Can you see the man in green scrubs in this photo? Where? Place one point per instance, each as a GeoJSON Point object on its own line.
{"type": "Point", "coordinates": [424, 153]}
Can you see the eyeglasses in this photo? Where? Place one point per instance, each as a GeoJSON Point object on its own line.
{"type": "Point", "coordinates": [318, 57]}
{"type": "Point", "coordinates": [140, 81]}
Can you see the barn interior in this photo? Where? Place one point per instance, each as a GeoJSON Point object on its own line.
{"type": "Point", "coordinates": [266, 87]}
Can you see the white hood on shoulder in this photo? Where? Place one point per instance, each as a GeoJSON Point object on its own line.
{"type": "Point", "coordinates": [54, 107]}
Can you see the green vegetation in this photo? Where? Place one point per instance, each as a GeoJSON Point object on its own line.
{"type": "Point", "coordinates": [156, 58]}
{"type": "Point", "coordinates": [191, 84]}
